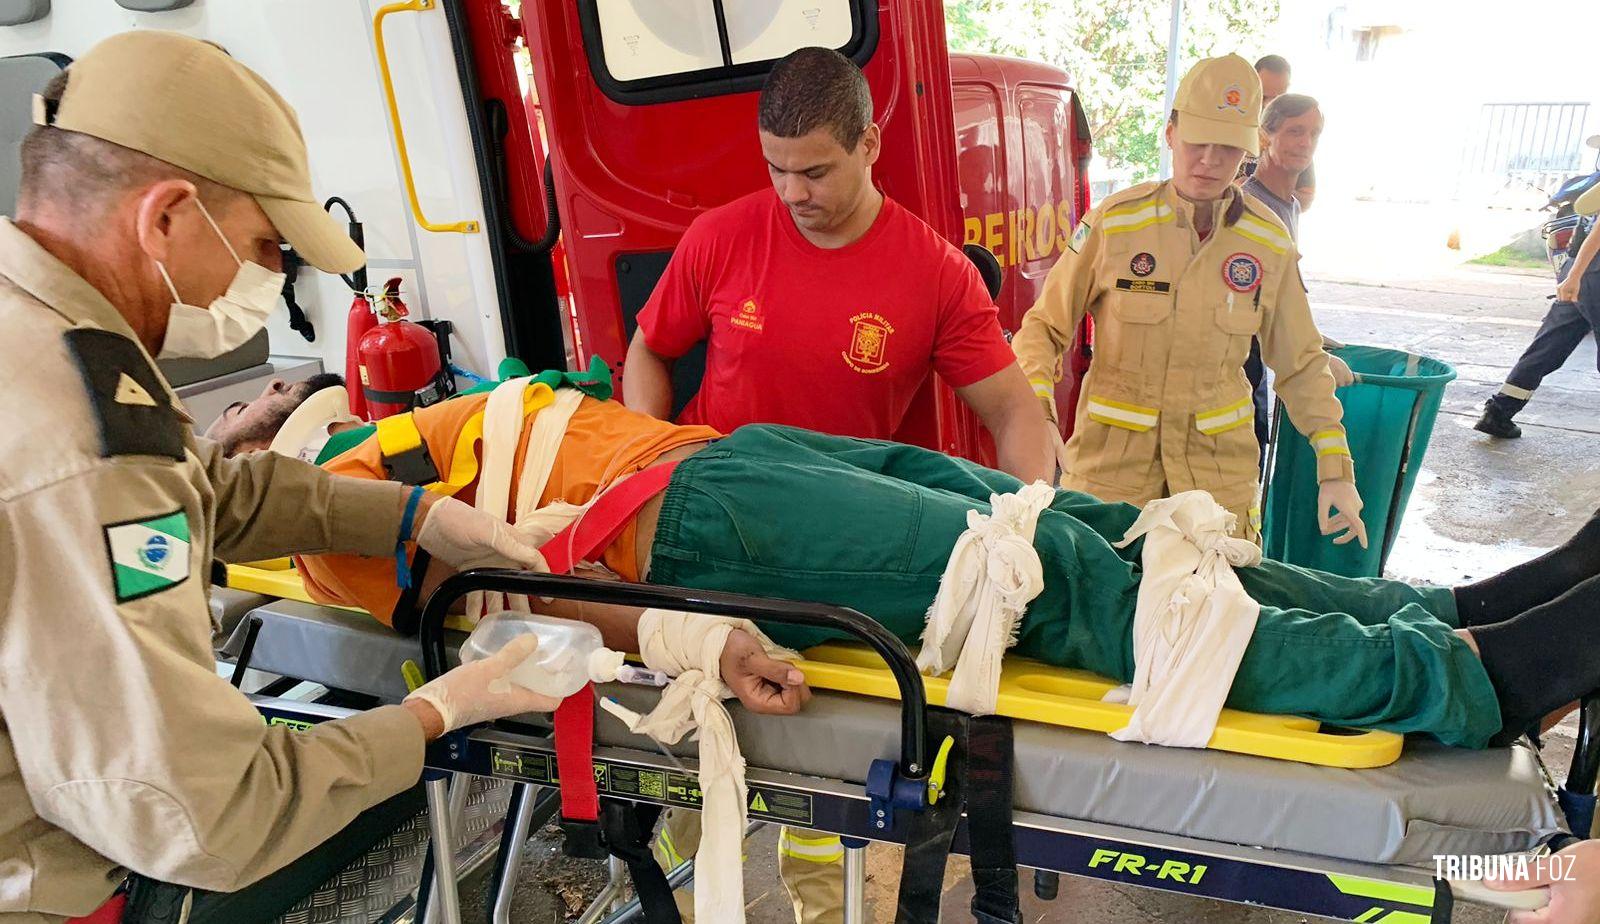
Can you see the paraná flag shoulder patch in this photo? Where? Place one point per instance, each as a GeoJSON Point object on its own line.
{"type": "Point", "coordinates": [148, 555]}
{"type": "Point", "coordinates": [1079, 236]}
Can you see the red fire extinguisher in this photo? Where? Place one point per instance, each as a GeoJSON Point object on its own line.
{"type": "Point", "coordinates": [400, 366]}
{"type": "Point", "coordinates": [360, 319]}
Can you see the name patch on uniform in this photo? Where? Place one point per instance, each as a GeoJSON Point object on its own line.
{"type": "Point", "coordinates": [1242, 272]}
{"type": "Point", "coordinates": [1144, 285]}
{"type": "Point", "coordinates": [1079, 235]}
{"type": "Point", "coordinates": [149, 555]}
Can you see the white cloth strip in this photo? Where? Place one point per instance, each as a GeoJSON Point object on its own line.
{"type": "Point", "coordinates": [1192, 620]}
{"type": "Point", "coordinates": [689, 647]}
{"type": "Point", "coordinates": [1512, 391]}
{"type": "Point", "coordinates": [502, 431]}
{"type": "Point", "coordinates": [993, 574]}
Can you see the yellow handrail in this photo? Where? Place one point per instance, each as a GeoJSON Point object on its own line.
{"type": "Point", "coordinates": [460, 227]}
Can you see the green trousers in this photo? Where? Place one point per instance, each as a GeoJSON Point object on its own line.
{"type": "Point", "coordinates": [797, 515]}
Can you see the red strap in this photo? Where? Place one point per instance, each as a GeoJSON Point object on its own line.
{"type": "Point", "coordinates": [580, 798]}
{"type": "Point", "coordinates": [109, 913]}
{"type": "Point", "coordinates": [574, 718]}
{"type": "Point", "coordinates": [600, 525]}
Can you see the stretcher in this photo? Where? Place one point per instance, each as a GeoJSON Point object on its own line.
{"type": "Point", "coordinates": [1346, 844]}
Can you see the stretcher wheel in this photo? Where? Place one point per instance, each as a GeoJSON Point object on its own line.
{"type": "Point", "coordinates": [1046, 884]}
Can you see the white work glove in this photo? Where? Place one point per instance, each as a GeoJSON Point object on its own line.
{"type": "Point", "coordinates": [465, 537]}
{"type": "Point", "coordinates": [480, 691]}
{"type": "Point", "coordinates": [1342, 375]}
{"type": "Point", "coordinates": [1341, 496]}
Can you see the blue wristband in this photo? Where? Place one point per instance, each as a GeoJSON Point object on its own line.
{"type": "Point", "coordinates": [402, 569]}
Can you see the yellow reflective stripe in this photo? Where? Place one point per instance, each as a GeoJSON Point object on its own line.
{"type": "Point", "coordinates": [810, 849]}
{"type": "Point", "coordinates": [1124, 221]}
{"type": "Point", "coordinates": [1330, 442]}
{"type": "Point", "coordinates": [1121, 414]}
{"type": "Point", "coordinates": [1134, 208]}
{"type": "Point", "coordinates": [826, 840]}
{"type": "Point", "coordinates": [398, 434]}
{"type": "Point", "coordinates": [1262, 233]}
{"type": "Point", "coordinates": [1255, 519]}
{"type": "Point", "coordinates": [664, 841]}
{"type": "Point", "coordinates": [1043, 390]}
{"type": "Point", "coordinates": [1225, 418]}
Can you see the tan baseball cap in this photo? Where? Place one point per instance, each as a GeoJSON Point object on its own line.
{"type": "Point", "coordinates": [1589, 202]}
{"type": "Point", "coordinates": [191, 104]}
{"type": "Point", "coordinates": [1219, 102]}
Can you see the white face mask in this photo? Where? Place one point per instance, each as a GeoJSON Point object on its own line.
{"type": "Point", "coordinates": [233, 318]}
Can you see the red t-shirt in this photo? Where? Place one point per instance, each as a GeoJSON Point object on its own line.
{"type": "Point", "coordinates": [832, 340]}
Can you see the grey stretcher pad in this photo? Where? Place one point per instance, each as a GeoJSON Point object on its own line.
{"type": "Point", "coordinates": [1434, 800]}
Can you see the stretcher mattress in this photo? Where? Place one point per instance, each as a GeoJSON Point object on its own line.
{"type": "Point", "coordinates": [1432, 800]}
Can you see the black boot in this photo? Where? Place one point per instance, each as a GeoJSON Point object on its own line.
{"type": "Point", "coordinates": [1497, 423]}
{"type": "Point", "coordinates": [1522, 587]}
{"type": "Point", "coordinates": [1543, 659]}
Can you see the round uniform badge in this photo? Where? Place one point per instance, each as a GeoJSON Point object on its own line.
{"type": "Point", "coordinates": [1242, 272]}
{"type": "Point", "coordinates": [1142, 264]}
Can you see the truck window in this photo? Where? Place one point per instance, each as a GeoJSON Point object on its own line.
{"type": "Point", "coordinates": [649, 51]}
{"type": "Point", "coordinates": [1045, 223]}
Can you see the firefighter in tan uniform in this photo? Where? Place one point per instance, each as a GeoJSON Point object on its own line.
{"type": "Point", "coordinates": [162, 170]}
{"type": "Point", "coordinates": [1178, 277]}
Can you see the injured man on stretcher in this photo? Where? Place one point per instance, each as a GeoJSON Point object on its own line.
{"type": "Point", "coordinates": [787, 513]}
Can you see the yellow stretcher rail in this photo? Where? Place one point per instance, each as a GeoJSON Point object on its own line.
{"type": "Point", "coordinates": [460, 227]}
{"type": "Point", "coordinates": [1028, 690]}
{"type": "Point", "coordinates": [1061, 696]}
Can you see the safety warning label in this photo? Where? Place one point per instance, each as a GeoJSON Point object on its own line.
{"type": "Point", "coordinates": [651, 785]}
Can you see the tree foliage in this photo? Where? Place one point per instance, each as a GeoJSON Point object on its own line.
{"type": "Point", "coordinates": [1115, 52]}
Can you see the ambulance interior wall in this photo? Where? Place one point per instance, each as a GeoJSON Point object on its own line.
{"type": "Point", "coordinates": [320, 57]}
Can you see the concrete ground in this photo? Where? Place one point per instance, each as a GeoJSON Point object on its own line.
{"type": "Point", "coordinates": [1480, 506]}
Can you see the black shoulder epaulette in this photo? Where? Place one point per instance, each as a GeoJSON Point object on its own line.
{"type": "Point", "coordinates": [130, 403]}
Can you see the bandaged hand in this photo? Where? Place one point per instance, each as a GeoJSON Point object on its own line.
{"type": "Point", "coordinates": [1341, 496]}
{"type": "Point", "coordinates": [465, 537]}
{"type": "Point", "coordinates": [480, 691]}
{"type": "Point", "coordinates": [764, 684]}
{"type": "Point", "coordinates": [1342, 375]}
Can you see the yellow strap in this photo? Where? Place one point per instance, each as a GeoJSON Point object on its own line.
{"type": "Point", "coordinates": [398, 435]}
{"type": "Point", "coordinates": [464, 458]}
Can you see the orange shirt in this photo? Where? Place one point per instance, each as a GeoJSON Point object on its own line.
{"type": "Point", "coordinates": [604, 442]}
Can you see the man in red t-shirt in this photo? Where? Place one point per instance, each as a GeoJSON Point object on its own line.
{"type": "Point", "coordinates": [824, 303]}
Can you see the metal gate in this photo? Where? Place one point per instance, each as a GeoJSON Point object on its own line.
{"type": "Point", "coordinates": [1526, 144]}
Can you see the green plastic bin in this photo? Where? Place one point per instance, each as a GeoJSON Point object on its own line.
{"type": "Point", "coordinates": [1388, 416]}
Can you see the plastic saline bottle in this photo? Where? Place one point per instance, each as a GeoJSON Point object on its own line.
{"type": "Point", "coordinates": [570, 654]}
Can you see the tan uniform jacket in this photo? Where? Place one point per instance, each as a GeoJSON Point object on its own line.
{"type": "Point", "coordinates": [120, 746]}
{"type": "Point", "coordinates": [1166, 406]}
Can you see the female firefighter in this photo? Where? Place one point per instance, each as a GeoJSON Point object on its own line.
{"type": "Point", "coordinates": [1179, 276]}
